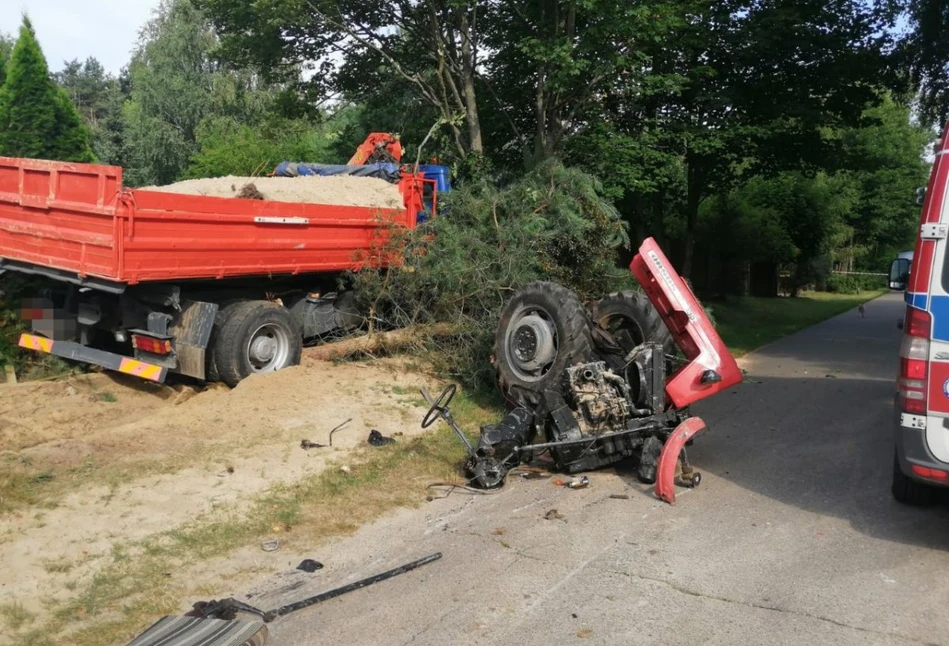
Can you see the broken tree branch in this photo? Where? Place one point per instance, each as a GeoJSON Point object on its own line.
{"type": "Point", "coordinates": [371, 343]}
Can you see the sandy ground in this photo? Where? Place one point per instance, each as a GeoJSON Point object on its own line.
{"type": "Point", "coordinates": [167, 455]}
{"type": "Point", "coordinates": [342, 190]}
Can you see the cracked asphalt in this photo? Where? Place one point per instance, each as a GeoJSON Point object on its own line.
{"type": "Point", "coordinates": [792, 538]}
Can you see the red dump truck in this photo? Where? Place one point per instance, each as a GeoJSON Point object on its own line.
{"type": "Point", "coordinates": [147, 282]}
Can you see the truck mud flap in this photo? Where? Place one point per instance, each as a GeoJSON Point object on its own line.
{"type": "Point", "coordinates": [108, 360]}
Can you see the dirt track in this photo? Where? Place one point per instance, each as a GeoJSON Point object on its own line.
{"type": "Point", "coordinates": [104, 461]}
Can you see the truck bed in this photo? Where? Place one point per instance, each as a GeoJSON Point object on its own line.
{"type": "Point", "coordinates": [78, 219]}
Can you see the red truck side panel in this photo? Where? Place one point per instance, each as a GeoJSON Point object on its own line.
{"type": "Point", "coordinates": [59, 215]}
{"type": "Point", "coordinates": [78, 218]}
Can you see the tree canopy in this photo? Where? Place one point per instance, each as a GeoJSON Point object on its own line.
{"type": "Point", "coordinates": [737, 132]}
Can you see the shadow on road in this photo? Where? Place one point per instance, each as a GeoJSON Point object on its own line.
{"type": "Point", "coordinates": [823, 445]}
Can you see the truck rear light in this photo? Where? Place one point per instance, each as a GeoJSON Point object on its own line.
{"type": "Point", "coordinates": [914, 361]}
{"type": "Point", "coordinates": [150, 344]}
{"type": "Point", "coordinates": [930, 474]}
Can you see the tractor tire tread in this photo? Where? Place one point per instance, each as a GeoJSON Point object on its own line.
{"type": "Point", "coordinates": [636, 305]}
{"type": "Point", "coordinates": [573, 328]}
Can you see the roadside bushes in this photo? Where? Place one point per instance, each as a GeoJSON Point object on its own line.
{"type": "Point", "coordinates": [488, 241]}
{"type": "Point", "coordinates": [853, 284]}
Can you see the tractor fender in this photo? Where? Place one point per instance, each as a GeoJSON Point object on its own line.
{"type": "Point", "coordinates": [666, 471]}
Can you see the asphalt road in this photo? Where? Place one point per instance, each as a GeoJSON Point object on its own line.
{"type": "Point", "coordinates": [792, 538]}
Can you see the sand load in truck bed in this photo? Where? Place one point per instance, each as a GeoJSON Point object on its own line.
{"type": "Point", "coordinates": [339, 190]}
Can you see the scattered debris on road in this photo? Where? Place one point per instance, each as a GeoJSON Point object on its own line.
{"type": "Point", "coordinates": [581, 483]}
{"type": "Point", "coordinates": [241, 623]}
{"type": "Point", "coordinates": [619, 496]}
{"type": "Point", "coordinates": [310, 566]}
{"type": "Point", "coordinates": [307, 444]}
{"type": "Point", "coordinates": [270, 546]}
{"type": "Point", "coordinates": [553, 514]}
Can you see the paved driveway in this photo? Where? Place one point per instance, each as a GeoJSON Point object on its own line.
{"type": "Point", "coordinates": [792, 538]}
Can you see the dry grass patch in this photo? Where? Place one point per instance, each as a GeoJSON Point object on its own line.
{"type": "Point", "coordinates": [147, 579]}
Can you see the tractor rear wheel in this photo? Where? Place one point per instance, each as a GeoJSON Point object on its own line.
{"type": "Point", "coordinates": [632, 320]}
{"type": "Point", "coordinates": [543, 330]}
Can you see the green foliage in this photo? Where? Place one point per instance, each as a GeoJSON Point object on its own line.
{"type": "Point", "coordinates": [924, 52]}
{"type": "Point", "coordinates": [98, 97]}
{"type": "Point", "coordinates": [228, 147]}
{"type": "Point", "coordinates": [70, 137]}
{"type": "Point", "coordinates": [882, 164]}
{"type": "Point", "coordinates": [176, 85]}
{"type": "Point", "coordinates": [552, 224]}
{"type": "Point", "coordinates": [36, 118]}
{"type": "Point", "coordinates": [854, 283]}
{"type": "Point", "coordinates": [6, 49]}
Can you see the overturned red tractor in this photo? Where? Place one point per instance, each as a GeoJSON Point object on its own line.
{"type": "Point", "coordinates": [592, 386]}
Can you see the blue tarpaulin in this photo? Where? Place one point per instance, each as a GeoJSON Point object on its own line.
{"type": "Point", "coordinates": [388, 172]}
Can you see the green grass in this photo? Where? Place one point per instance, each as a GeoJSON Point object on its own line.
{"type": "Point", "coordinates": [749, 323]}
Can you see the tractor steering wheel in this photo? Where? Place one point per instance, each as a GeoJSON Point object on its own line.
{"type": "Point", "coordinates": [440, 406]}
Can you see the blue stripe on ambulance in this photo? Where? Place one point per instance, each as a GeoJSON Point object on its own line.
{"type": "Point", "coordinates": [939, 309]}
{"type": "Point", "coordinates": [917, 300]}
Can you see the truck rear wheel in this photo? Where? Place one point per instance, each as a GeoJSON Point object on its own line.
{"type": "Point", "coordinates": [254, 337]}
{"type": "Point", "coordinates": [543, 330]}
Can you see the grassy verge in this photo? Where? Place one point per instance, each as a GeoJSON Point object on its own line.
{"type": "Point", "coordinates": [149, 578]}
{"type": "Point", "coordinates": [749, 323]}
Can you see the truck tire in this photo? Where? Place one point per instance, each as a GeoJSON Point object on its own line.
{"type": "Point", "coordinates": [253, 337]}
{"type": "Point", "coordinates": [909, 491]}
{"type": "Point", "coordinates": [543, 330]}
{"type": "Point", "coordinates": [632, 320]}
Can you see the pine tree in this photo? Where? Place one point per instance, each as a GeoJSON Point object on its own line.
{"type": "Point", "coordinates": [70, 141]}
{"type": "Point", "coordinates": [6, 46]}
{"type": "Point", "coordinates": [36, 117]}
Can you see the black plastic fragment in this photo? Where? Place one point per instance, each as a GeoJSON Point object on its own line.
{"type": "Point", "coordinates": [378, 439]}
{"type": "Point", "coordinates": [310, 566]}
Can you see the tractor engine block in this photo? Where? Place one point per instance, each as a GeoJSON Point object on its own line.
{"type": "Point", "coordinates": [601, 398]}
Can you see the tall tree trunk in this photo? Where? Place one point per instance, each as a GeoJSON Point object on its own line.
{"type": "Point", "coordinates": [471, 99]}
{"type": "Point", "coordinates": [693, 199]}
{"type": "Point", "coordinates": [540, 97]}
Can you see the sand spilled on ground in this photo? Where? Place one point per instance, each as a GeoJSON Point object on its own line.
{"type": "Point", "coordinates": [339, 190]}
{"type": "Point", "coordinates": [132, 460]}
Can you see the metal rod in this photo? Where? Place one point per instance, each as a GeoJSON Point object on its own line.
{"type": "Point", "coordinates": [332, 594]}
{"type": "Point", "coordinates": [337, 428]}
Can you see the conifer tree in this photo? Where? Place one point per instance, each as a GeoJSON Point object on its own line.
{"type": "Point", "coordinates": [37, 118]}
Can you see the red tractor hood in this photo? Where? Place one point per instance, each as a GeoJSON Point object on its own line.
{"type": "Point", "coordinates": [711, 368]}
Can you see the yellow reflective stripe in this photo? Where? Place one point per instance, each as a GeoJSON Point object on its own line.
{"type": "Point", "coordinates": [140, 369]}
{"type": "Point", "coordinates": [32, 342]}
